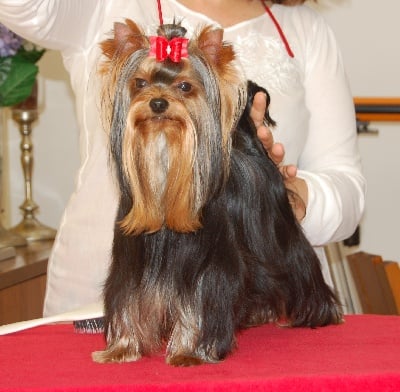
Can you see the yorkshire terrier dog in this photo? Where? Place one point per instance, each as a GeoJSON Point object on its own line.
{"type": "Point", "coordinates": [205, 240]}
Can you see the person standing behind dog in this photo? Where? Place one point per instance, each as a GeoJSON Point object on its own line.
{"type": "Point", "coordinates": [282, 45]}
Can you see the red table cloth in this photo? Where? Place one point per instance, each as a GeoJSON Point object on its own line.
{"type": "Point", "coordinates": [363, 354]}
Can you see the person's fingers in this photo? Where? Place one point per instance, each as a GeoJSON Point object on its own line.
{"type": "Point", "coordinates": [258, 108]}
{"type": "Point", "coordinates": [288, 171]}
{"type": "Point", "coordinates": [277, 153]}
{"type": "Point", "coordinates": [265, 136]}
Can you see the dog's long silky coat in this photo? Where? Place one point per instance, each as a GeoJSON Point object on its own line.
{"type": "Point", "coordinates": [187, 277]}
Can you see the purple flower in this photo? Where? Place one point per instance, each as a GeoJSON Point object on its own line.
{"type": "Point", "coordinates": [9, 42]}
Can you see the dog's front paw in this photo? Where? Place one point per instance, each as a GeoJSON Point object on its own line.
{"type": "Point", "coordinates": [108, 356]}
{"type": "Point", "coordinates": [118, 352]}
{"type": "Point", "coordinates": [185, 360]}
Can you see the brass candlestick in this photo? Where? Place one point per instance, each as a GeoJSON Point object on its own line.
{"type": "Point", "coordinates": [30, 228]}
{"type": "Point", "coordinates": [10, 239]}
{"type": "Point", "coordinates": [6, 237]}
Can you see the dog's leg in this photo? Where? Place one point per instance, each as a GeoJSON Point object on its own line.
{"type": "Point", "coordinates": [309, 301]}
{"type": "Point", "coordinates": [198, 339]}
{"type": "Point", "coordinates": [123, 344]}
{"type": "Point", "coordinates": [181, 349]}
{"type": "Point", "coordinates": [121, 304]}
{"type": "Point", "coordinates": [124, 348]}
{"type": "Point", "coordinates": [205, 321]}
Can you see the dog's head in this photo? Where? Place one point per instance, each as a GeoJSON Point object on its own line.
{"type": "Point", "coordinates": [172, 105]}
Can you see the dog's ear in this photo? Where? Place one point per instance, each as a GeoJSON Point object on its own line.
{"type": "Point", "coordinates": [128, 38]}
{"type": "Point", "coordinates": [217, 52]}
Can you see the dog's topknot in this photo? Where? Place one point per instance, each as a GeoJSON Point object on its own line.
{"type": "Point", "coordinates": [173, 30]}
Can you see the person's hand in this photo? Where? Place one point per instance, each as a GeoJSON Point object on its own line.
{"type": "Point", "coordinates": [298, 196]}
{"type": "Point", "coordinates": [275, 150]}
{"type": "Point", "coordinates": [298, 191]}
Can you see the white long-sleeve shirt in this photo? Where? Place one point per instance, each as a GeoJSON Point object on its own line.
{"type": "Point", "coordinates": [310, 100]}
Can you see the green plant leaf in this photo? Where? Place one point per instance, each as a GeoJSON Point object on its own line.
{"type": "Point", "coordinates": [17, 77]}
{"type": "Point", "coordinates": [5, 67]}
{"type": "Point", "coordinates": [32, 56]}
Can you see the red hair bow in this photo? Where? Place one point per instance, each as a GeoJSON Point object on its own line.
{"type": "Point", "coordinates": [175, 49]}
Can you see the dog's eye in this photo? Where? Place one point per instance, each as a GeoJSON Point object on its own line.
{"type": "Point", "coordinates": [185, 87]}
{"type": "Point", "coordinates": [140, 83]}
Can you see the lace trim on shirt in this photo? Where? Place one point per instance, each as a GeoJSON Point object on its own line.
{"type": "Point", "coordinates": [266, 59]}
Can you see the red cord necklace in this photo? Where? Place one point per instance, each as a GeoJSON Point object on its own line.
{"type": "Point", "coordinates": [278, 27]}
{"type": "Point", "coordinates": [160, 16]}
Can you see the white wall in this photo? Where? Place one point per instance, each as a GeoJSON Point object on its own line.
{"type": "Point", "coordinates": [368, 33]}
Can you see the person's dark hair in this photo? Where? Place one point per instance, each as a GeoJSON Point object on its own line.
{"type": "Point", "coordinates": [289, 2]}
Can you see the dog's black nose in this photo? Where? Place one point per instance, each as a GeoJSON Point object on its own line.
{"type": "Point", "coordinates": [159, 105]}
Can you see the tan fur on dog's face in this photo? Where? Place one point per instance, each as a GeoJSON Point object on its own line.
{"type": "Point", "coordinates": [159, 150]}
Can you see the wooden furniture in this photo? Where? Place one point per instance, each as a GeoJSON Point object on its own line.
{"type": "Point", "coordinates": [23, 283]}
{"type": "Point", "coordinates": [377, 108]}
{"type": "Point", "coordinates": [377, 283]}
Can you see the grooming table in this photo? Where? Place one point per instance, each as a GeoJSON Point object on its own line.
{"type": "Point", "coordinates": [363, 354]}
